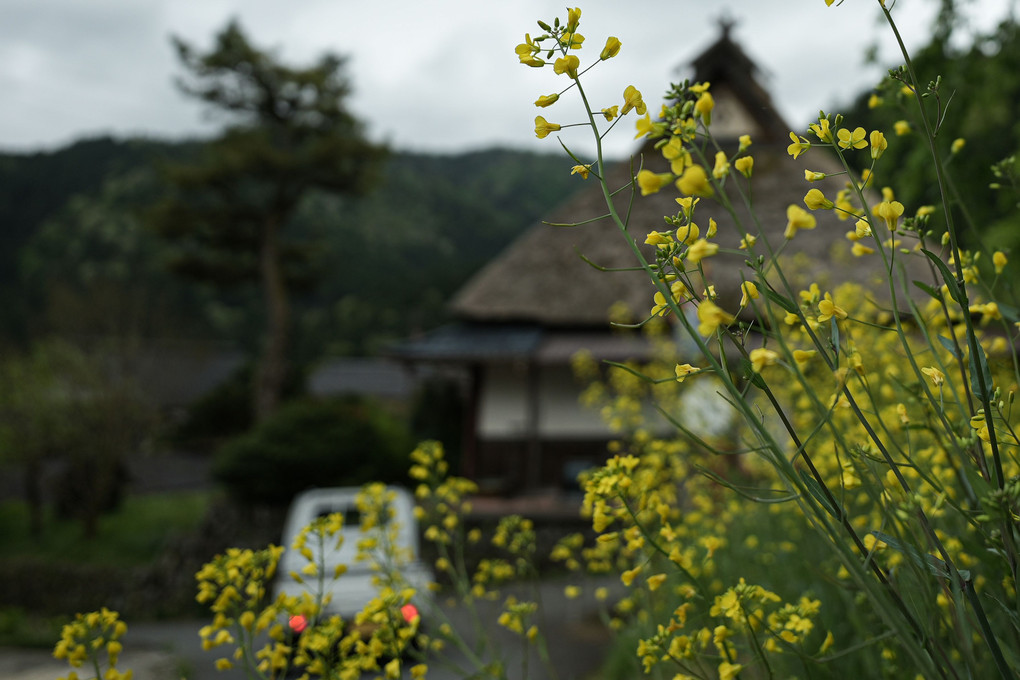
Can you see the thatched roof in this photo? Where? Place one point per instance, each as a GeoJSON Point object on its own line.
{"type": "Point", "coordinates": [541, 278]}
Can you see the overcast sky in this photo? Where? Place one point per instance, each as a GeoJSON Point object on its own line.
{"type": "Point", "coordinates": [428, 75]}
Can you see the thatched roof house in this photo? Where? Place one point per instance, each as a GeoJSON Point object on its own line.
{"type": "Point", "coordinates": [525, 313]}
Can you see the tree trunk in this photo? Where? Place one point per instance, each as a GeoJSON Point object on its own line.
{"type": "Point", "coordinates": [272, 370]}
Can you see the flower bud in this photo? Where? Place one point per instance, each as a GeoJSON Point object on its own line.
{"type": "Point", "coordinates": [611, 49]}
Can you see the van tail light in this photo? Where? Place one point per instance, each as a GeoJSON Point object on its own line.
{"type": "Point", "coordinates": [298, 623]}
{"type": "Point", "coordinates": [409, 612]}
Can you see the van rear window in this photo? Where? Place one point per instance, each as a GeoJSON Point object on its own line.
{"type": "Point", "coordinates": [352, 518]}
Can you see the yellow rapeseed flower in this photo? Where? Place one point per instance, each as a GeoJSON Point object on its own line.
{"type": "Point", "coordinates": [799, 145]}
{"type": "Point", "coordinates": [687, 205]}
{"type": "Point", "coordinates": [867, 177]}
{"type": "Point", "coordinates": [688, 233]}
{"type": "Point", "coordinates": [694, 182]}
{"type": "Point", "coordinates": [572, 41]}
{"type": "Point", "coordinates": [573, 19]}
{"type": "Point", "coordinates": [547, 100]}
{"type": "Point", "coordinates": [957, 145]}
{"type": "Point", "coordinates": [798, 218]}
{"type": "Point", "coordinates": [650, 182]}
{"type": "Point", "coordinates": [661, 306]}
{"type": "Point", "coordinates": [628, 576]}
{"type": "Point", "coordinates": [999, 260]}
{"type": "Point", "coordinates": [901, 127]}
{"type": "Point", "coordinates": [855, 139]}
{"type": "Point", "coordinates": [803, 356]}
{"type": "Point", "coordinates": [745, 141]}
{"type": "Point", "coordinates": [645, 126]}
{"type": "Point", "coordinates": [684, 370]}
{"type": "Point", "coordinates": [822, 130]}
{"type": "Point", "coordinates": [703, 107]}
{"type": "Point", "coordinates": [878, 144]}
{"type": "Point", "coordinates": [828, 309]}
{"type": "Point", "coordinates": [748, 292]}
{"type": "Point", "coordinates": [722, 164]}
{"type": "Point", "coordinates": [611, 49]}
{"type": "Point", "coordinates": [727, 670]}
{"type": "Point", "coordinates": [581, 170]}
{"type": "Point", "coordinates": [527, 52]}
{"type": "Point", "coordinates": [936, 376]}
{"type": "Point", "coordinates": [889, 211]}
{"type": "Point", "coordinates": [815, 200]}
{"type": "Point", "coordinates": [632, 100]}
{"type": "Point", "coordinates": [654, 582]}
{"type": "Point", "coordinates": [744, 165]}
{"type": "Point", "coordinates": [701, 249]}
{"type": "Point", "coordinates": [544, 127]}
{"type": "Point", "coordinates": [711, 316]}
{"type": "Point", "coordinates": [989, 312]}
{"type": "Point", "coordinates": [611, 112]}
{"type": "Point", "coordinates": [762, 357]}
{"type": "Point", "coordinates": [567, 65]}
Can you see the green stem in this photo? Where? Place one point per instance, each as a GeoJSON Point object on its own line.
{"type": "Point", "coordinates": [972, 342]}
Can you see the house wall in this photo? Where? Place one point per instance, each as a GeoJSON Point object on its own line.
{"type": "Point", "coordinates": [504, 409]}
{"type": "Point", "coordinates": [569, 438]}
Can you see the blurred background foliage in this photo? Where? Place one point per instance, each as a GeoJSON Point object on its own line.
{"type": "Point", "coordinates": [978, 96]}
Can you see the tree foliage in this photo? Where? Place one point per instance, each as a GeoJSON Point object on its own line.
{"type": "Point", "coordinates": [57, 403]}
{"type": "Point", "coordinates": [230, 213]}
{"type": "Point", "coordinates": [978, 90]}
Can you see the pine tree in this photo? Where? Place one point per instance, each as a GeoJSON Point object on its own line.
{"type": "Point", "coordinates": [229, 212]}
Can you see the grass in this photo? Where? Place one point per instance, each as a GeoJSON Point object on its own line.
{"type": "Point", "coordinates": [20, 629]}
{"type": "Point", "coordinates": [134, 534]}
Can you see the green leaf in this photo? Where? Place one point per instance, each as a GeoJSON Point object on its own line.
{"type": "Point", "coordinates": [928, 289]}
{"type": "Point", "coordinates": [949, 345]}
{"type": "Point", "coordinates": [819, 495]}
{"type": "Point", "coordinates": [784, 302]}
{"type": "Point", "coordinates": [933, 564]}
{"type": "Point", "coordinates": [777, 495]}
{"type": "Point", "coordinates": [947, 276]}
{"type": "Point", "coordinates": [980, 363]}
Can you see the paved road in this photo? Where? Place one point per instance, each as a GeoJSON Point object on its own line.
{"type": "Point", "coordinates": [172, 651]}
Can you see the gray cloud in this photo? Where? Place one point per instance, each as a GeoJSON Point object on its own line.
{"type": "Point", "coordinates": [435, 76]}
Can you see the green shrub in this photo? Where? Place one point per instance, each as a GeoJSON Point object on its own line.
{"type": "Point", "coordinates": [223, 412]}
{"type": "Point", "coordinates": [312, 443]}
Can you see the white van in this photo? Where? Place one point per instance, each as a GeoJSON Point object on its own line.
{"type": "Point", "coordinates": [352, 590]}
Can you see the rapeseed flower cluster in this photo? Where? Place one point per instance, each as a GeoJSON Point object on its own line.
{"type": "Point", "coordinates": [93, 640]}
{"type": "Point", "coordinates": [863, 435]}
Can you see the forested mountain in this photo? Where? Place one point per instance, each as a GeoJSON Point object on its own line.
{"type": "Point", "coordinates": [78, 257]}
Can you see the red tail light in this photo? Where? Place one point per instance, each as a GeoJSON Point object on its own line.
{"type": "Point", "coordinates": [298, 623]}
{"type": "Point", "coordinates": [409, 612]}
